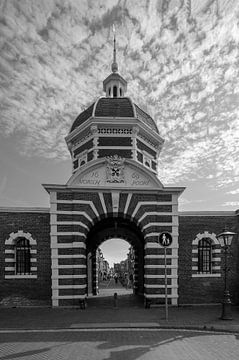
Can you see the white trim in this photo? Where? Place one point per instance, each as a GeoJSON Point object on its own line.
{"type": "Point", "coordinates": [78, 266]}
{"type": "Point", "coordinates": [20, 276]}
{"type": "Point", "coordinates": [13, 260]}
{"type": "Point", "coordinates": [152, 213]}
{"type": "Point", "coordinates": [207, 213]}
{"type": "Point", "coordinates": [129, 197]}
{"type": "Point", "coordinates": [69, 287]}
{"type": "Point", "coordinates": [70, 223]}
{"type": "Point", "coordinates": [214, 241]}
{"type": "Point", "coordinates": [160, 276]}
{"type": "Point", "coordinates": [80, 276]}
{"type": "Point", "coordinates": [152, 286]}
{"type": "Point", "coordinates": [160, 266]}
{"type": "Point", "coordinates": [25, 209]}
{"type": "Point", "coordinates": [64, 212]}
{"type": "Point", "coordinates": [158, 224]}
{"type": "Point", "coordinates": [153, 203]}
{"type": "Point", "coordinates": [20, 233]}
{"type": "Point", "coordinates": [206, 275]}
{"type": "Point", "coordinates": [80, 202]}
{"type": "Point", "coordinates": [214, 259]}
{"type": "Point", "coordinates": [59, 297]}
{"type": "Point", "coordinates": [68, 245]}
{"type": "Point", "coordinates": [115, 147]}
{"type": "Point", "coordinates": [55, 233]}
{"type": "Point", "coordinates": [205, 234]}
{"type": "Point", "coordinates": [160, 256]}
{"type": "Point", "coordinates": [102, 200]}
{"type": "Point", "coordinates": [115, 201]}
{"type": "Point", "coordinates": [73, 256]}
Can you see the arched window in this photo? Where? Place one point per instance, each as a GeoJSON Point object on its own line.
{"type": "Point", "coordinates": [115, 91]}
{"type": "Point", "coordinates": [205, 256]}
{"type": "Point", "coordinates": [109, 91]}
{"type": "Point", "coordinates": [20, 256]}
{"type": "Point", "coordinates": [23, 256]}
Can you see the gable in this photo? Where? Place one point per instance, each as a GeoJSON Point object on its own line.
{"type": "Point", "coordinates": [115, 174]}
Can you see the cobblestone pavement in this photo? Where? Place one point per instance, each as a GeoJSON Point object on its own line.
{"type": "Point", "coordinates": [140, 344]}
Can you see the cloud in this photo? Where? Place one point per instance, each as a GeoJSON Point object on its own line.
{"type": "Point", "coordinates": [231, 203]}
{"type": "Point", "coordinates": [233, 192]}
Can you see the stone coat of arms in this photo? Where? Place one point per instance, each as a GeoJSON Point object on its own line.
{"type": "Point", "coordinates": [114, 169]}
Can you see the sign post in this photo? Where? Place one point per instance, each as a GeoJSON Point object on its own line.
{"type": "Point", "coordinates": [165, 240]}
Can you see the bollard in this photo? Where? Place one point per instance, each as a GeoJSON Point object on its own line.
{"type": "Point", "coordinates": [82, 304]}
{"type": "Point", "coordinates": [115, 301]}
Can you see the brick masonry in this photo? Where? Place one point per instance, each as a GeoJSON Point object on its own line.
{"type": "Point", "coordinates": [194, 290]}
{"type": "Point", "coordinates": [191, 290]}
{"type": "Point", "coordinates": [35, 291]}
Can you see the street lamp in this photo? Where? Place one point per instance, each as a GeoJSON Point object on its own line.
{"type": "Point", "coordinates": [225, 240]}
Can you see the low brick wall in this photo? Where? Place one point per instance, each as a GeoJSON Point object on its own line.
{"type": "Point", "coordinates": [196, 290]}
{"type": "Point", "coordinates": [32, 291]}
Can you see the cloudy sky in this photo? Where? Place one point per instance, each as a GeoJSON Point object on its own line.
{"type": "Point", "coordinates": [181, 61]}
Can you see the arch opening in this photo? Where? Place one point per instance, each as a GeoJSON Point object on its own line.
{"type": "Point", "coordinates": [129, 273]}
{"type": "Point", "coordinates": [115, 260]}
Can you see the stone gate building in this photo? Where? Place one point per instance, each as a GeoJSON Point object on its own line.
{"type": "Point", "coordinates": [48, 256]}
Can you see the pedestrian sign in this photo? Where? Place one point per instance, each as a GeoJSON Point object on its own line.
{"type": "Point", "coordinates": [165, 239]}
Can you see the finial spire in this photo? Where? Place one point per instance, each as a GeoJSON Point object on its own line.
{"type": "Point", "coordinates": [114, 66]}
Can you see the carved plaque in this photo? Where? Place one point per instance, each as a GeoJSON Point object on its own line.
{"type": "Point", "coordinates": [114, 169]}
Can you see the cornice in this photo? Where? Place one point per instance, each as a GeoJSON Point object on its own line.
{"type": "Point", "coordinates": [207, 213]}
{"type": "Point", "coordinates": [25, 209]}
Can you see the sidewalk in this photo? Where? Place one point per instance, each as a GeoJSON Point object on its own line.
{"type": "Point", "coordinates": [188, 317]}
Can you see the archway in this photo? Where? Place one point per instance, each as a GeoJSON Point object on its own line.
{"type": "Point", "coordinates": [115, 228]}
{"type": "Point", "coordinates": [115, 260]}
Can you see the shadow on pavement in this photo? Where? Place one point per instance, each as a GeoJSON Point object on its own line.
{"type": "Point", "coordinates": [128, 345]}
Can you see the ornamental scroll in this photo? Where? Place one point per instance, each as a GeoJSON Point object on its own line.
{"type": "Point", "coordinates": [115, 169]}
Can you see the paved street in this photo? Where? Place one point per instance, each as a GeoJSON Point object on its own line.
{"type": "Point", "coordinates": [109, 287]}
{"type": "Point", "coordinates": [128, 332]}
{"type": "Point", "coordinates": [140, 344]}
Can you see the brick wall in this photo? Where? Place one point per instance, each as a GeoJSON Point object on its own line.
{"type": "Point", "coordinates": [206, 289]}
{"type": "Point", "coordinates": [35, 291]}
{"type": "Point", "coordinates": [192, 290]}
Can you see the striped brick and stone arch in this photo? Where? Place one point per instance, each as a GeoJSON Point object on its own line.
{"type": "Point", "coordinates": [115, 228]}
{"type": "Point", "coordinates": [10, 255]}
{"type": "Point", "coordinates": [155, 212]}
{"type": "Point", "coordinates": [212, 247]}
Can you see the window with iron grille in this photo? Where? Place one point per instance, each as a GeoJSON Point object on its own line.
{"type": "Point", "coordinates": [23, 261]}
{"type": "Point", "coordinates": [204, 256]}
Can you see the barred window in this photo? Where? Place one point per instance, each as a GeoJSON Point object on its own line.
{"type": "Point", "coordinates": [204, 256]}
{"type": "Point", "coordinates": [23, 261]}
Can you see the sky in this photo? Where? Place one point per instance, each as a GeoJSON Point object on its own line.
{"type": "Point", "coordinates": [181, 61]}
{"type": "Point", "coordinates": [115, 250]}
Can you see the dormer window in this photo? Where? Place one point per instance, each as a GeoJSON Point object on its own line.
{"type": "Point", "coordinates": [115, 91]}
{"type": "Point", "coordinates": [109, 91]}
{"type": "Point", "coordinates": [120, 92]}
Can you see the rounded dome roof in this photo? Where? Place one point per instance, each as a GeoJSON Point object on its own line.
{"type": "Point", "coordinates": [114, 107]}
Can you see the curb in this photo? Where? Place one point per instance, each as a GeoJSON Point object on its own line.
{"type": "Point", "coordinates": [92, 327]}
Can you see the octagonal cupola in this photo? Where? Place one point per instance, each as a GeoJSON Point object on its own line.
{"type": "Point", "coordinates": [113, 126]}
